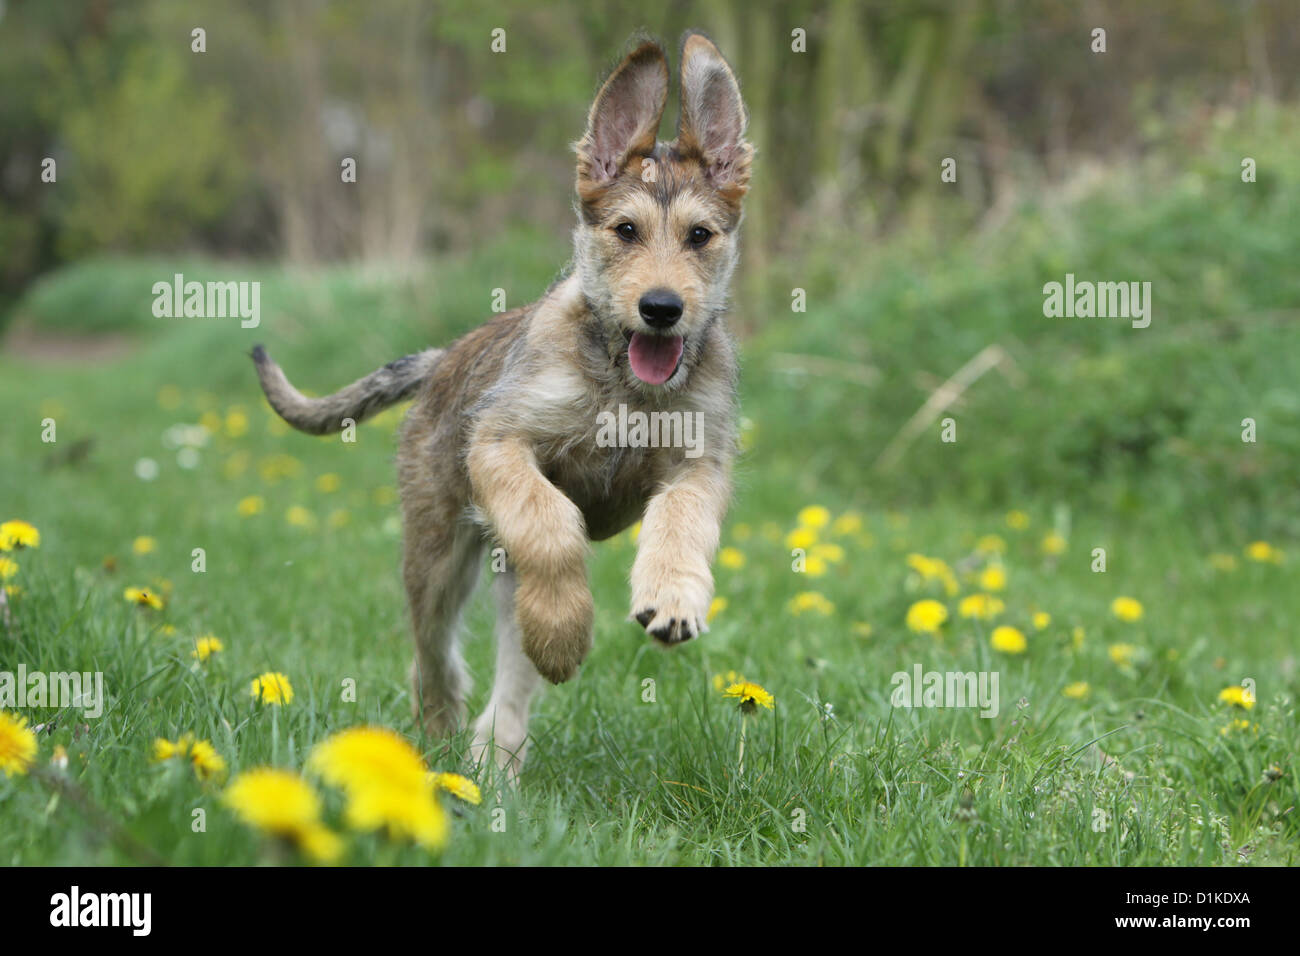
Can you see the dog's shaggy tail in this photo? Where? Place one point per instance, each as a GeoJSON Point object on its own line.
{"type": "Point", "coordinates": [358, 401]}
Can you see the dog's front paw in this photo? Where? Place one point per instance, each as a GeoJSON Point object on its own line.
{"type": "Point", "coordinates": [555, 620]}
{"type": "Point", "coordinates": [673, 614]}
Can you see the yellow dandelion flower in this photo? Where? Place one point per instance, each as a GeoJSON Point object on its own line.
{"type": "Point", "coordinates": [926, 617]}
{"type": "Point", "coordinates": [462, 788]}
{"type": "Point", "coordinates": [1126, 609]}
{"type": "Point", "coordinates": [991, 544]}
{"type": "Point", "coordinates": [300, 517]}
{"type": "Point", "coordinates": [403, 813]}
{"type": "Point", "coordinates": [328, 483]}
{"type": "Point", "coordinates": [732, 558]}
{"type": "Point", "coordinates": [143, 597]}
{"type": "Point", "coordinates": [1238, 725]}
{"type": "Point", "coordinates": [207, 763]}
{"type": "Point", "coordinates": [1017, 520]}
{"type": "Point", "coordinates": [1053, 543]}
{"type": "Point", "coordinates": [814, 516]}
{"type": "Point", "coordinates": [742, 532]}
{"type": "Point", "coordinates": [933, 569]}
{"type": "Point", "coordinates": [802, 538]}
{"type": "Point", "coordinates": [144, 545]}
{"type": "Point", "coordinates": [1076, 691]}
{"type": "Point", "coordinates": [814, 567]}
{"type": "Point", "coordinates": [17, 744]}
{"type": "Point", "coordinates": [1242, 697]}
{"type": "Point", "coordinates": [751, 696]}
{"type": "Point", "coordinates": [847, 524]}
{"type": "Point", "coordinates": [275, 468]}
{"type": "Point", "coordinates": [252, 505]}
{"type": "Point", "coordinates": [8, 568]}
{"type": "Point", "coordinates": [716, 607]}
{"type": "Point", "coordinates": [164, 749]}
{"type": "Point", "coordinates": [1263, 552]}
{"type": "Point", "coordinates": [1122, 654]}
{"type": "Point", "coordinates": [1008, 640]}
{"type": "Point", "coordinates": [281, 803]}
{"type": "Point", "coordinates": [18, 534]}
{"type": "Point", "coordinates": [1041, 620]}
{"type": "Point", "coordinates": [982, 607]}
{"type": "Point", "coordinates": [272, 688]}
{"type": "Point", "coordinates": [811, 601]}
{"type": "Point", "coordinates": [206, 646]}
{"type": "Point", "coordinates": [993, 578]}
{"type": "Point", "coordinates": [236, 423]}
{"type": "Point", "coordinates": [832, 553]}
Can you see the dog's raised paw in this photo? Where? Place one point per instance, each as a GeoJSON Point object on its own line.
{"type": "Point", "coordinates": [669, 628]}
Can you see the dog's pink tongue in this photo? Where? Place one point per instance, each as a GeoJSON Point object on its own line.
{"type": "Point", "coordinates": [654, 358]}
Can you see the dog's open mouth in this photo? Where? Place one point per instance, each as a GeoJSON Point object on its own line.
{"type": "Point", "coordinates": [654, 358]}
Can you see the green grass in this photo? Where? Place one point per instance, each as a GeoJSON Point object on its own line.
{"type": "Point", "coordinates": [1119, 439]}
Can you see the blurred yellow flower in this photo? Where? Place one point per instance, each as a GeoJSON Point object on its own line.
{"type": "Point", "coordinates": [813, 566]}
{"type": "Point", "coordinates": [8, 568]}
{"type": "Point", "coordinates": [991, 544]}
{"type": "Point", "coordinates": [1076, 691]}
{"type": "Point", "coordinates": [282, 803]}
{"type": "Point", "coordinates": [1053, 543]}
{"type": "Point", "coordinates": [339, 518]}
{"type": "Point", "coordinates": [803, 538]}
{"type": "Point", "coordinates": [1242, 697]}
{"type": "Point", "coordinates": [143, 597]}
{"type": "Point", "coordinates": [206, 646]}
{"type": "Point", "coordinates": [1041, 620]}
{"type": "Point", "coordinates": [252, 505]}
{"type": "Point", "coordinates": [236, 423]}
{"type": "Point", "coordinates": [716, 607]}
{"type": "Point", "coordinates": [993, 578]}
{"type": "Point", "coordinates": [813, 601]}
{"type": "Point", "coordinates": [462, 788]}
{"type": "Point", "coordinates": [272, 688]}
{"type": "Point", "coordinates": [814, 516]}
{"type": "Point", "coordinates": [721, 681]}
{"type": "Point", "coordinates": [1237, 725]}
{"type": "Point", "coordinates": [861, 629]}
{"type": "Point", "coordinates": [1122, 654]}
{"type": "Point", "coordinates": [742, 532]}
{"type": "Point", "coordinates": [849, 523]}
{"type": "Point", "coordinates": [17, 744]}
{"type": "Point", "coordinates": [980, 606]}
{"type": "Point", "coordinates": [144, 545]}
{"type": "Point", "coordinates": [300, 517]}
{"type": "Point", "coordinates": [934, 569]}
{"type": "Point", "coordinates": [1008, 640]}
{"type": "Point", "coordinates": [1223, 562]}
{"type": "Point", "coordinates": [1126, 609]}
{"type": "Point", "coordinates": [1017, 520]}
{"type": "Point", "coordinates": [201, 755]}
{"type": "Point", "coordinates": [827, 552]}
{"type": "Point", "coordinates": [1263, 552]}
{"type": "Point", "coordinates": [328, 483]}
{"type": "Point", "coordinates": [18, 534]}
{"type": "Point", "coordinates": [1076, 637]}
{"type": "Point", "coordinates": [926, 617]}
{"type": "Point", "coordinates": [732, 558]}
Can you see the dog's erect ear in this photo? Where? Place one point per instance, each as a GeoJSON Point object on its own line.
{"type": "Point", "coordinates": [712, 125]}
{"type": "Point", "coordinates": [624, 118]}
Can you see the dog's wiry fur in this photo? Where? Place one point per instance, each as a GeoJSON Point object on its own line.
{"type": "Point", "coordinates": [500, 444]}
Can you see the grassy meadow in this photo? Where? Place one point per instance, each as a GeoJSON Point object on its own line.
{"type": "Point", "coordinates": [1112, 744]}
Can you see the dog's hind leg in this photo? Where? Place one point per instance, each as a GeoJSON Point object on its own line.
{"type": "Point", "coordinates": [503, 726]}
{"type": "Point", "coordinates": [440, 567]}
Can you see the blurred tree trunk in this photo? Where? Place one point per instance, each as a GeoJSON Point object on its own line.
{"type": "Point", "coordinates": [760, 46]}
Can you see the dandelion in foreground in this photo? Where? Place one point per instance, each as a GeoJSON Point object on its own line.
{"type": "Point", "coordinates": [849, 523]}
{"type": "Point", "coordinates": [1008, 640]}
{"type": "Point", "coordinates": [17, 744]}
{"type": "Point", "coordinates": [205, 647]}
{"type": "Point", "coordinates": [731, 558]}
{"type": "Point", "coordinates": [993, 578]}
{"type": "Point", "coordinates": [1127, 609]}
{"type": "Point", "coordinates": [144, 545]}
{"type": "Point", "coordinates": [813, 516]}
{"type": "Point", "coordinates": [272, 688]}
{"type": "Point", "coordinates": [386, 784]}
{"type": "Point", "coordinates": [1242, 697]}
{"type": "Point", "coordinates": [16, 534]}
{"type": "Point", "coordinates": [281, 803]}
{"type": "Point", "coordinates": [462, 788]}
{"type": "Point", "coordinates": [143, 597]}
{"type": "Point", "coordinates": [926, 617]}
{"type": "Point", "coordinates": [751, 696]}
{"type": "Point", "coordinates": [1263, 553]}
{"type": "Point", "coordinates": [982, 607]}
{"type": "Point", "coordinates": [1041, 620]}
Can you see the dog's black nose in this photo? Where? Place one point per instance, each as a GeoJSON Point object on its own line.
{"type": "Point", "coordinates": [660, 308]}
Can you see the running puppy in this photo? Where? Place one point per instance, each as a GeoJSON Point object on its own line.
{"type": "Point", "coordinates": [501, 444]}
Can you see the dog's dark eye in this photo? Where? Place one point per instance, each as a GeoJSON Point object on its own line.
{"type": "Point", "coordinates": [699, 236]}
{"type": "Point", "coordinates": [626, 231]}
